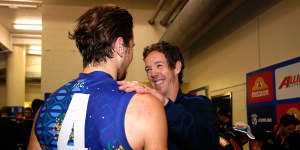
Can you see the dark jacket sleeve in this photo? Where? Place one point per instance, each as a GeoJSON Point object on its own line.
{"type": "Point", "coordinates": [192, 124]}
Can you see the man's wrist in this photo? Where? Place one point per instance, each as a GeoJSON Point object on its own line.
{"type": "Point", "coordinates": [164, 100]}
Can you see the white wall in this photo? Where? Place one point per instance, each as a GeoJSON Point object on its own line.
{"type": "Point", "coordinates": [33, 91]}
{"type": "Point", "coordinates": [61, 59]}
{"type": "Point", "coordinates": [15, 78]}
{"type": "Point", "coordinates": [280, 33]}
{"type": "Point", "coordinates": [270, 38]}
{"type": "Point", "coordinates": [5, 37]}
{"type": "Point", "coordinates": [33, 63]}
{"type": "Point", "coordinates": [2, 94]}
{"type": "Point", "coordinates": [6, 41]}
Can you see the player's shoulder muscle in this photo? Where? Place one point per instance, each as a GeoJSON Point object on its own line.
{"type": "Point", "coordinates": [144, 116]}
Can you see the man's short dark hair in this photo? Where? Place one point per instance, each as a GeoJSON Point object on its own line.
{"type": "Point", "coordinates": [225, 111]}
{"type": "Point", "coordinates": [288, 119]}
{"type": "Point", "coordinates": [36, 104]}
{"type": "Point", "coordinates": [171, 52]}
{"type": "Point", "coordinates": [98, 29]}
{"type": "Point", "coordinates": [28, 109]}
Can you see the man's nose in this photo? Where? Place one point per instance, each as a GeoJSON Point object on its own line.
{"type": "Point", "coordinates": [154, 72]}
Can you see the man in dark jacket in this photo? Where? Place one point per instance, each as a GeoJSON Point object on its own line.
{"type": "Point", "coordinates": [284, 136]}
{"type": "Point", "coordinates": [191, 119]}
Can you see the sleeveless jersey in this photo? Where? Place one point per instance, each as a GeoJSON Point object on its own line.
{"type": "Point", "coordinates": [86, 113]}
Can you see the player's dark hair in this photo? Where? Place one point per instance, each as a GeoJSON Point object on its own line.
{"type": "Point", "coordinates": [98, 29]}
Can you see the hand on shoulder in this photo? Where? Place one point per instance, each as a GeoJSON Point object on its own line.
{"type": "Point", "coordinates": [131, 86]}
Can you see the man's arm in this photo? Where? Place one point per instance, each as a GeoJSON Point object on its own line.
{"type": "Point", "coordinates": [33, 142]}
{"type": "Point", "coordinates": [145, 123]}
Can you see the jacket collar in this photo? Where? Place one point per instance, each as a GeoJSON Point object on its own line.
{"type": "Point", "coordinates": [179, 96]}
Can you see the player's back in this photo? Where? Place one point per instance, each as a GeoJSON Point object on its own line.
{"type": "Point", "coordinates": [88, 112]}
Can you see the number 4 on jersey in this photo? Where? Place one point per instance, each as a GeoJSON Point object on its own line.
{"type": "Point", "coordinates": [75, 115]}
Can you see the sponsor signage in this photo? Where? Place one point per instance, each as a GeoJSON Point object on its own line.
{"type": "Point", "coordinates": [290, 108]}
{"type": "Point", "coordinates": [271, 93]}
{"type": "Point", "coordinates": [260, 87]}
{"type": "Point", "coordinates": [288, 82]}
{"type": "Point", "coordinates": [261, 115]}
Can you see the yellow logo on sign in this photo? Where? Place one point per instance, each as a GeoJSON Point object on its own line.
{"type": "Point", "coordinates": [294, 111]}
{"type": "Point", "coordinates": [259, 84]}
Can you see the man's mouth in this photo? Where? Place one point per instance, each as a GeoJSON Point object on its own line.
{"type": "Point", "coordinates": [158, 82]}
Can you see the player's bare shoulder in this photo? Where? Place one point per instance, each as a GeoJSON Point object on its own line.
{"type": "Point", "coordinates": [147, 101]}
{"type": "Point", "coordinates": [143, 107]}
{"type": "Point", "coordinates": [143, 114]}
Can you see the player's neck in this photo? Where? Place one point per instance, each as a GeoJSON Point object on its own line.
{"type": "Point", "coordinates": [107, 68]}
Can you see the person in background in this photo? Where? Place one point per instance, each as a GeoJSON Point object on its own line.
{"type": "Point", "coordinates": [25, 127]}
{"type": "Point", "coordinates": [191, 119]}
{"type": "Point", "coordinates": [234, 139]}
{"type": "Point", "coordinates": [224, 121]}
{"type": "Point", "coordinates": [284, 135]}
{"type": "Point", "coordinates": [295, 138]}
{"type": "Point", "coordinates": [90, 112]}
{"type": "Point", "coordinates": [8, 130]}
{"type": "Point", "coordinates": [28, 114]}
{"type": "Point", "coordinates": [35, 105]}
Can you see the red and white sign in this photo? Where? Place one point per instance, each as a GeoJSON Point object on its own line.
{"type": "Point", "coordinates": [260, 87]}
{"type": "Point", "coordinates": [287, 82]}
{"type": "Point", "coordinates": [291, 108]}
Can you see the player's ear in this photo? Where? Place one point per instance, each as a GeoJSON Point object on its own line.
{"type": "Point", "coordinates": [119, 46]}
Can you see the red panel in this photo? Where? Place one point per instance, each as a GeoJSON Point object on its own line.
{"type": "Point", "coordinates": [260, 87]}
{"type": "Point", "coordinates": [291, 108]}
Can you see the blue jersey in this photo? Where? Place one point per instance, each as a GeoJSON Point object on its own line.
{"type": "Point", "coordinates": [86, 113]}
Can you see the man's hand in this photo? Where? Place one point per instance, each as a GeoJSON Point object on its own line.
{"type": "Point", "coordinates": [131, 86]}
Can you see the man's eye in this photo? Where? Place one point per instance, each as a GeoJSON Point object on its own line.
{"type": "Point", "coordinates": [147, 70]}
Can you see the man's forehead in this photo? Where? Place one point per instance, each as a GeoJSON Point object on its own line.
{"type": "Point", "coordinates": [157, 59]}
{"type": "Point", "coordinates": [154, 62]}
{"type": "Point", "coordinates": [156, 54]}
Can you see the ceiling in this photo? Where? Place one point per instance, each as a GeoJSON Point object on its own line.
{"type": "Point", "coordinates": [9, 15]}
{"type": "Point", "coordinates": [207, 20]}
{"type": "Point", "coordinates": [193, 17]}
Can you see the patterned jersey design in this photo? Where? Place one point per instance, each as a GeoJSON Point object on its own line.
{"type": "Point", "coordinates": [104, 120]}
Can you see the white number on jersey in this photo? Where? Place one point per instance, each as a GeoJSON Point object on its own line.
{"type": "Point", "coordinates": [75, 115]}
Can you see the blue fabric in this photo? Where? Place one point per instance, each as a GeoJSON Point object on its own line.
{"type": "Point", "coordinates": [104, 122]}
{"type": "Point", "coordinates": [192, 123]}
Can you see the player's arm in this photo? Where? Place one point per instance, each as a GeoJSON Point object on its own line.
{"type": "Point", "coordinates": [33, 142]}
{"type": "Point", "coordinates": [156, 124]}
{"type": "Point", "coordinates": [150, 122]}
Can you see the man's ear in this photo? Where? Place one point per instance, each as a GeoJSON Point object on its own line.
{"type": "Point", "coordinates": [178, 67]}
{"type": "Point", "coordinates": [119, 46]}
